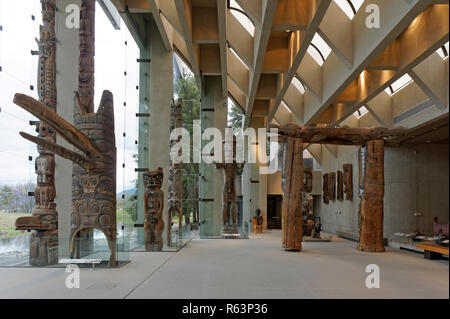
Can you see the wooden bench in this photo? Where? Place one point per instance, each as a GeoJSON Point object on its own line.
{"type": "Point", "coordinates": [433, 251]}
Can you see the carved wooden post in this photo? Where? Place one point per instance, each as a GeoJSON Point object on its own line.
{"type": "Point", "coordinates": [175, 196]}
{"type": "Point", "coordinates": [44, 222]}
{"type": "Point", "coordinates": [153, 206]}
{"type": "Point", "coordinates": [292, 197]}
{"type": "Point", "coordinates": [371, 232]}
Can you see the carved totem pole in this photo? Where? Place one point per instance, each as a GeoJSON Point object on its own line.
{"type": "Point", "coordinates": [44, 220]}
{"type": "Point", "coordinates": [153, 206]}
{"type": "Point", "coordinates": [176, 171]}
{"type": "Point", "coordinates": [229, 189]}
{"type": "Point", "coordinates": [94, 172]}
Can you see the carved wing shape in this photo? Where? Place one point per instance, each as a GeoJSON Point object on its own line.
{"type": "Point", "coordinates": [69, 132]}
{"type": "Point", "coordinates": [81, 160]}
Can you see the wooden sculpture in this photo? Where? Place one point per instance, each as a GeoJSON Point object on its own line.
{"type": "Point", "coordinates": [307, 180]}
{"type": "Point", "coordinates": [44, 220]}
{"type": "Point", "coordinates": [340, 186]}
{"type": "Point", "coordinates": [175, 197]}
{"type": "Point", "coordinates": [325, 189]}
{"type": "Point", "coordinates": [332, 186]}
{"type": "Point", "coordinates": [153, 206]}
{"type": "Point", "coordinates": [229, 195]}
{"type": "Point", "coordinates": [94, 165]}
{"type": "Point", "coordinates": [371, 232]}
{"type": "Point", "coordinates": [348, 181]}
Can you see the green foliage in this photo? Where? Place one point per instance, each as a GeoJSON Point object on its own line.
{"type": "Point", "coordinates": [235, 117]}
{"type": "Point", "coordinates": [186, 89]}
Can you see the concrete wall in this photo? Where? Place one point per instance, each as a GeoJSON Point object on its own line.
{"type": "Point", "coordinates": [416, 180]}
{"type": "Point", "coordinates": [66, 84]}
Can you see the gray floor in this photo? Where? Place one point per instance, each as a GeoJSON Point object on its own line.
{"type": "Point", "coordinates": [255, 268]}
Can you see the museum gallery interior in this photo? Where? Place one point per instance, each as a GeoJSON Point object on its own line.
{"type": "Point", "coordinates": [275, 149]}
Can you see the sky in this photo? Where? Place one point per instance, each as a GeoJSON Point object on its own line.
{"type": "Point", "coordinates": [19, 71]}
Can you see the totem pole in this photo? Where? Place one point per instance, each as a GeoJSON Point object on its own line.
{"type": "Point", "coordinates": [229, 190]}
{"type": "Point", "coordinates": [94, 172]}
{"type": "Point", "coordinates": [44, 220]}
{"type": "Point", "coordinates": [153, 206]}
{"type": "Point", "coordinates": [175, 171]}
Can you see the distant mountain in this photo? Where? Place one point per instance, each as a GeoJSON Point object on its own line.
{"type": "Point", "coordinates": [126, 192]}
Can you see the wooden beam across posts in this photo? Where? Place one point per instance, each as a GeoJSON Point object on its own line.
{"type": "Point", "coordinates": [371, 232]}
{"type": "Point", "coordinates": [292, 199]}
{"type": "Point", "coordinates": [339, 135]}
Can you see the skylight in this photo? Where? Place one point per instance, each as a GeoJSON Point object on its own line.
{"type": "Point", "coordinates": [286, 107]}
{"type": "Point", "coordinates": [350, 7]}
{"type": "Point", "coordinates": [319, 50]}
{"type": "Point", "coordinates": [238, 57]}
{"type": "Point", "coordinates": [244, 20]}
{"type": "Point", "coordinates": [361, 112]}
{"type": "Point", "coordinates": [298, 85]}
{"type": "Point", "coordinates": [443, 51]}
{"type": "Point", "coordinates": [399, 84]}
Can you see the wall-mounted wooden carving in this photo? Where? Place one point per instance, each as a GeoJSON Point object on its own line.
{"type": "Point", "coordinates": [325, 188]}
{"type": "Point", "coordinates": [340, 185]}
{"type": "Point", "coordinates": [307, 180]}
{"type": "Point", "coordinates": [332, 186]}
{"type": "Point", "coordinates": [153, 206]}
{"type": "Point", "coordinates": [175, 196]}
{"type": "Point", "coordinates": [348, 181]}
{"type": "Point", "coordinates": [44, 220]}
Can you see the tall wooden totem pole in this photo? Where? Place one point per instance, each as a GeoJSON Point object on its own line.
{"type": "Point", "coordinates": [44, 220]}
{"type": "Point", "coordinates": [175, 197]}
{"type": "Point", "coordinates": [94, 165]}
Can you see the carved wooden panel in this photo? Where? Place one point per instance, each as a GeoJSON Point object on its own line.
{"type": "Point", "coordinates": [340, 185]}
{"type": "Point", "coordinates": [348, 181]}
{"type": "Point", "coordinates": [307, 180]}
{"type": "Point", "coordinates": [332, 186]}
{"type": "Point", "coordinates": [325, 186]}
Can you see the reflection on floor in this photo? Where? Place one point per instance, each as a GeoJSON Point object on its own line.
{"type": "Point", "coordinates": [254, 268]}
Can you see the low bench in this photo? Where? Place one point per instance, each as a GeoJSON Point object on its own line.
{"type": "Point", "coordinates": [80, 261]}
{"type": "Point", "coordinates": [433, 251]}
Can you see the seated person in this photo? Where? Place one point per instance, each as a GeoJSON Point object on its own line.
{"type": "Point", "coordinates": [259, 221]}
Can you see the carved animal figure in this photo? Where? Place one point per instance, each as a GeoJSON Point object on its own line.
{"type": "Point", "coordinates": [153, 206]}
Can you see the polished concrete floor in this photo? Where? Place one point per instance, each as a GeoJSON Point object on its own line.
{"type": "Point", "coordinates": [255, 268]}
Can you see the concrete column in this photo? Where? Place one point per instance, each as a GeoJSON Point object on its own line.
{"type": "Point", "coordinates": [258, 181]}
{"type": "Point", "coordinates": [66, 84]}
{"type": "Point", "coordinates": [161, 93]}
{"type": "Point", "coordinates": [143, 146]}
{"type": "Point", "coordinates": [213, 113]}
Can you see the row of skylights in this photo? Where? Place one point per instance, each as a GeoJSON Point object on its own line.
{"type": "Point", "coordinates": [239, 14]}
{"type": "Point", "coordinates": [399, 84]}
{"type": "Point", "coordinates": [319, 49]}
{"type": "Point", "coordinates": [443, 51]}
{"type": "Point", "coordinates": [350, 7]}
{"type": "Point", "coordinates": [361, 112]}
